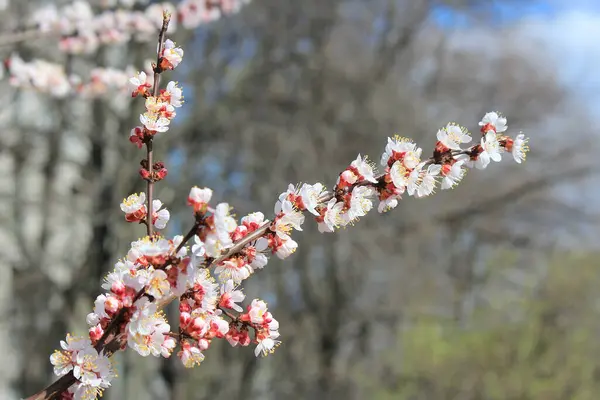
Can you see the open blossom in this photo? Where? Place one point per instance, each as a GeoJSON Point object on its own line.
{"type": "Point", "coordinates": [282, 245]}
{"type": "Point", "coordinates": [491, 150]}
{"type": "Point", "coordinates": [93, 370]}
{"type": "Point", "coordinates": [143, 318]}
{"type": "Point", "coordinates": [149, 251]}
{"type": "Point", "coordinates": [64, 360]}
{"type": "Point", "coordinates": [255, 256]}
{"type": "Point", "coordinates": [173, 94]}
{"type": "Point", "coordinates": [236, 269]}
{"type": "Point", "coordinates": [452, 174]}
{"type": "Point", "coordinates": [224, 224]}
{"type": "Point", "coordinates": [414, 179]}
{"type": "Point", "coordinates": [360, 204]}
{"type": "Point", "coordinates": [399, 175]}
{"type": "Point", "coordinates": [266, 327]}
{"type": "Point", "coordinates": [388, 203]}
{"type": "Point", "coordinates": [494, 121]}
{"type": "Point", "coordinates": [288, 217]}
{"type": "Point", "coordinates": [359, 170]}
{"type": "Point", "coordinates": [304, 198]}
{"type": "Point", "coordinates": [266, 336]}
{"type": "Point", "coordinates": [257, 311]}
{"type": "Point", "coordinates": [401, 149]}
{"type": "Point", "coordinates": [153, 338]}
{"type": "Point", "coordinates": [198, 248]}
{"type": "Point", "coordinates": [206, 291]}
{"type": "Point", "coordinates": [519, 148]}
{"type": "Point", "coordinates": [452, 136]}
{"type": "Point", "coordinates": [156, 106]}
{"type": "Point", "coordinates": [160, 216]}
{"type": "Point", "coordinates": [154, 122]}
{"type": "Point", "coordinates": [266, 345]}
{"type": "Point", "coordinates": [364, 169]}
{"type": "Point", "coordinates": [428, 180]}
{"type": "Point", "coordinates": [190, 355]}
{"type": "Point", "coordinates": [330, 218]}
{"type": "Point", "coordinates": [140, 84]}
{"type": "Point", "coordinates": [171, 55]}
{"type": "Point", "coordinates": [253, 221]}
{"type": "Point", "coordinates": [134, 207]}
{"type": "Point", "coordinates": [158, 286]}
{"type": "Point", "coordinates": [115, 281]}
{"type": "Point", "coordinates": [213, 247]}
{"type": "Point", "coordinates": [310, 195]}
{"type": "Point", "coordinates": [230, 296]}
{"type": "Point", "coordinates": [105, 306]}
{"type": "Point", "coordinates": [199, 198]}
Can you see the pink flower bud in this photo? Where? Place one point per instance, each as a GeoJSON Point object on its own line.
{"type": "Point", "coordinates": [118, 288]}
{"type": "Point", "coordinates": [111, 304]}
{"type": "Point", "coordinates": [96, 333]}
{"type": "Point", "coordinates": [203, 344]}
{"type": "Point", "coordinates": [184, 319]}
{"type": "Point", "coordinates": [244, 338]}
{"type": "Point", "coordinates": [198, 324]}
{"type": "Point", "coordinates": [184, 307]}
{"type": "Point", "coordinates": [144, 173]}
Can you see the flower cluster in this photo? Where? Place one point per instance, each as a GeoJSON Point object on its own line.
{"type": "Point", "coordinates": [51, 78]}
{"type": "Point", "coordinates": [82, 30]}
{"type": "Point", "coordinates": [153, 269]}
{"type": "Point", "coordinates": [91, 368]}
{"type": "Point", "coordinates": [207, 278]}
{"type": "Point", "coordinates": [217, 231]}
{"type": "Point", "coordinates": [265, 326]}
{"type": "Point", "coordinates": [160, 109]}
{"type": "Point", "coordinates": [39, 75]}
{"type": "Point", "coordinates": [156, 269]}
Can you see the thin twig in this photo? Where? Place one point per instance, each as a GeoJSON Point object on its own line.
{"type": "Point", "coordinates": [149, 147]}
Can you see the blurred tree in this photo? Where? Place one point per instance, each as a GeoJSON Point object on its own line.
{"type": "Point", "coordinates": [291, 91]}
{"type": "Point", "coordinates": [539, 345]}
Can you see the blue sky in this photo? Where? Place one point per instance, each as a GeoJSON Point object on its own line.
{"type": "Point", "coordinates": [570, 29]}
{"type": "Point", "coordinates": [572, 35]}
{"type": "Point", "coordinates": [511, 10]}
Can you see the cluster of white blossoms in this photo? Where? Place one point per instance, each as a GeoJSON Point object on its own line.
{"type": "Point", "coordinates": [39, 75]}
{"type": "Point", "coordinates": [83, 29]}
{"type": "Point", "coordinates": [206, 279]}
{"type": "Point", "coordinates": [160, 109]}
{"type": "Point", "coordinates": [52, 79]}
{"type": "Point", "coordinates": [92, 369]}
{"type": "Point", "coordinates": [156, 269]}
{"type": "Point", "coordinates": [405, 171]}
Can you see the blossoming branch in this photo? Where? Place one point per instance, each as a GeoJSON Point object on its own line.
{"type": "Point", "coordinates": [81, 31]}
{"type": "Point", "coordinates": [206, 278]}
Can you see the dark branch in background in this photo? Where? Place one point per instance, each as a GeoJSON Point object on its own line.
{"type": "Point", "coordinates": [517, 192]}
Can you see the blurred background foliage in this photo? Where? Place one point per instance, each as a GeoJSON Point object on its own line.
{"type": "Point", "coordinates": [488, 291]}
{"type": "Point", "coordinates": [538, 346]}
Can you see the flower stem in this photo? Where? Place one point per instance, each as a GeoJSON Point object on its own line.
{"type": "Point", "coordinates": [149, 147]}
